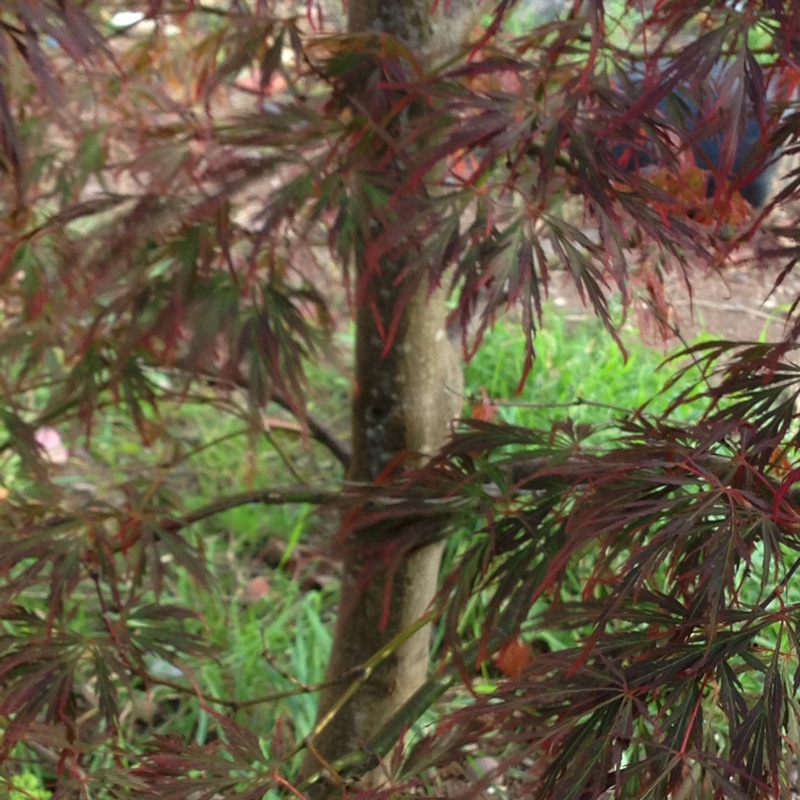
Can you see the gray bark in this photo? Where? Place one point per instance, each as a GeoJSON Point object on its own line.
{"type": "Point", "coordinates": [405, 401]}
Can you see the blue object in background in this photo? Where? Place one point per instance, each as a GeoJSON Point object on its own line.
{"type": "Point", "coordinates": [682, 114]}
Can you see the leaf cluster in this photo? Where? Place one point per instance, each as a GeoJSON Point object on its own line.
{"type": "Point", "coordinates": [167, 233]}
{"type": "Point", "coordinates": [668, 557]}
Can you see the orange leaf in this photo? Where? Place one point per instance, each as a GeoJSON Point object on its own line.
{"type": "Point", "coordinates": [255, 589]}
{"type": "Point", "coordinates": [485, 410]}
{"type": "Point", "coordinates": [780, 462]}
{"type": "Point", "coordinates": [513, 658]}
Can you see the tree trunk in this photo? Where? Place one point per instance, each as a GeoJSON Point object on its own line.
{"type": "Point", "coordinates": [405, 401]}
{"type": "Point", "coordinates": [403, 404]}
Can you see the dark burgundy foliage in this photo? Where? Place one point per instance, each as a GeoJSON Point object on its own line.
{"type": "Point", "coordinates": [150, 225]}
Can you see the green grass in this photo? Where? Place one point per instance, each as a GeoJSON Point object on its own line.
{"type": "Point", "coordinates": [287, 632]}
{"type": "Point", "coordinates": [579, 373]}
{"type": "Point", "coordinates": [259, 642]}
{"type": "Point", "coordinates": [25, 786]}
{"type": "Point", "coordinates": [622, 21]}
{"type": "Point", "coordinates": [272, 644]}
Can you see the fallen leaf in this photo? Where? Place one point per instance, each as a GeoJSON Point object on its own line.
{"type": "Point", "coordinates": [255, 589]}
{"type": "Point", "coordinates": [513, 658]}
{"type": "Point", "coordinates": [52, 445]}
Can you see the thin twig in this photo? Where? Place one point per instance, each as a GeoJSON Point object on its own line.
{"type": "Point", "coordinates": [320, 432]}
{"type": "Point", "coordinates": [365, 672]}
{"type": "Point", "coordinates": [269, 497]}
{"type": "Point", "coordinates": [273, 697]}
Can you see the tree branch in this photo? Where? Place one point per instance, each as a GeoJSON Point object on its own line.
{"type": "Point", "coordinates": [321, 433]}
{"type": "Point", "coordinates": [269, 497]}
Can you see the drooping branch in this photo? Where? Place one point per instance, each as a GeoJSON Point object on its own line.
{"type": "Point", "coordinates": [292, 495]}
{"type": "Point", "coordinates": [269, 497]}
{"type": "Point", "coordinates": [320, 432]}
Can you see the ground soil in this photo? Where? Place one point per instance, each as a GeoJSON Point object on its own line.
{"type": "Point", "coordinates": [746, 299]}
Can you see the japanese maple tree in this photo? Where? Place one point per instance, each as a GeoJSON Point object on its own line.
{"type": "Point", "coordinates": [195, 197]}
